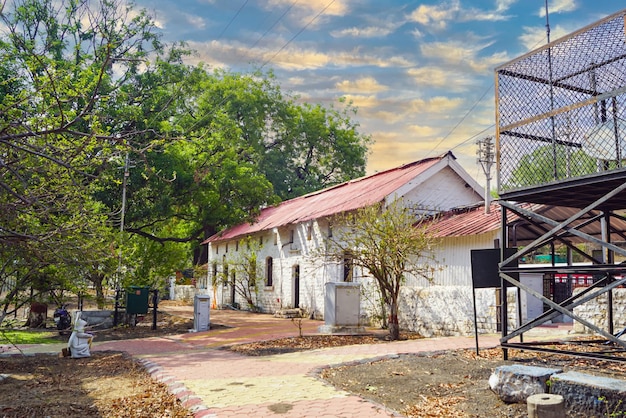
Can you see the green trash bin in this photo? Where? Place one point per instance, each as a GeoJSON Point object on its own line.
{"type": "Point", "coordinates": [137, 300]}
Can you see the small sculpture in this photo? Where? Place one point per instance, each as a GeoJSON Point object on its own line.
{"type": "Point", "coordinates": [80, 341]}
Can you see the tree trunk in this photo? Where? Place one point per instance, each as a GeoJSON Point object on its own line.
{"type": "Point", "coordinates": [394, 326]}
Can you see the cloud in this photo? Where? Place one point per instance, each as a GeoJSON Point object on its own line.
{"type": "Point", "coordinates": [437, 104]}
{"type": "Point", "coordinates": [438, 77]}
{"type": "Point", "coordinates": [362, 101]}
{"type": "Point", "coordinates": [362, 85]}
{"type": "Point", "coordinates": [504, 5]}
{"type": "Point", "coordinates": [392, 149]}
{"type": "Point", "coordinates": [311, 12]}
{"type": "Point", "coordinates": [464, 55]}
{"type": "Point", "coordinates": [423, 131]}
{"type": "Point", "coordinates": [436, 17]}
{"type": "Point", "coordinates": [559, 6]}
{"type": "Point", "coordinates": [196, 21]}
{"type": "Point", "coordinates": [534, 37]}
{"type": "Point", "coordinates": [366, 32]}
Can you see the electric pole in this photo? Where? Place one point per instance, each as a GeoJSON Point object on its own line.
{"type": "Point", "coordinates": [485, 159]}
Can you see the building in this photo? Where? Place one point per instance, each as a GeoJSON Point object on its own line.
{"type": "Point", "coordinates": [284, 238]}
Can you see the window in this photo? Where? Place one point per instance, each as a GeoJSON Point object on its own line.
{"type": "Point", "coordinates": [348, 266]}
{"type": "Point", "coordinates": [292, 234]}
{"type": "Point", "coordinates": [269, 271]}
{"type": "Point", "coordinates": [236, 245]}
{"type": "Point", "coordinates": [330, 230]}
{"type": "Point", "coordinates": [214, 273]}
{"type": "Point", "coordinates": [309, 232]}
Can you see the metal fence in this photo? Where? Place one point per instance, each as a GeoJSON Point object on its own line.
{"type": "Point", "coordinates": [561, 109]}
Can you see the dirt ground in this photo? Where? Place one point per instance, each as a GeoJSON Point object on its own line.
{"type": "Point", "coordinates": [453, 383]}
{"type": "Point", "coordinates": [109, 384]}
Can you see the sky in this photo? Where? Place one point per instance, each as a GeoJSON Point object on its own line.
{"type": "Point", "coordinates": [420, 73]}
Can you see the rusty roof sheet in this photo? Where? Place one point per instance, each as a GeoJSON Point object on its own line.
{"type": "Point", "coordinates": [344, 197]}
{"type": "Point", "coordinates": [473, 220]}
{"type": "Point", "coordinates": [466, 221]}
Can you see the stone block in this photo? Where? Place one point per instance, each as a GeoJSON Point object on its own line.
{"type": "Point", "coordinates": [515, 383]}
{"type": "Point", "coordinates": [597, 395]}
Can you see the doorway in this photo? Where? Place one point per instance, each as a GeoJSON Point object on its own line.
{"type": "Point", "coordinates": [296, 286]}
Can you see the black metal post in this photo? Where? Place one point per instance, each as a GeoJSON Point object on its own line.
{"type": "Point", "coordinates": [117, 306]}
{"type": "Point", "coordinates": [155, 305]}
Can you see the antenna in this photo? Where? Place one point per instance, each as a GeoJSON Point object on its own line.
{"type": "Point", "coordinates": [547, 22]}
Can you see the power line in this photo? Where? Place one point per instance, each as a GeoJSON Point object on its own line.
{"type": "Point", "coordinates": [232, 19]}
{"type": "Point", "coordinates": [298, 33]}
{"type": "Point", "coordinates": [274, 24]}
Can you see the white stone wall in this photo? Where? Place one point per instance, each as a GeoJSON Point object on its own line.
{"type": "Point", "coordinates": [596, 311]}
{"type": "Point", "coordinates": [449, 310]}
{"type": "Point", "coordinates": [314, 273]}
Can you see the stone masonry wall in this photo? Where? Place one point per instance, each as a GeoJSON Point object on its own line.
{"type": "Point", "coordinates": [595, 311]}
{"type": "Point", "coordinates": [448, 310]}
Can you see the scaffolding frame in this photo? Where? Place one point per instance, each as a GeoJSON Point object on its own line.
{"type": "Point", "coordinates": [561, 141]}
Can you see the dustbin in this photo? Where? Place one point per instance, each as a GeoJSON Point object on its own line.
{"type": "Point", "coordinates": [137, 300]}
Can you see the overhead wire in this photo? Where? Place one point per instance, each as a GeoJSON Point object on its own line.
{"type": "Point", "coordinates": [232, 19]}
{"type": "Point", "coordinates": [468, 113]}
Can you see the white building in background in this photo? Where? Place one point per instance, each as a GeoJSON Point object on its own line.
{"type": "Point", "coordinates": [289, 234]}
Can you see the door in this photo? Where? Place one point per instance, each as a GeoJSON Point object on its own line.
{"type": "Point", "coordinates": [296, 286]}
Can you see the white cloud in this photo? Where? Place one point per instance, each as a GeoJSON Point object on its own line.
{"type": "Point", "coordinates": [362, 85]}
{"type": "Point", "coordinates": [533, 38]}
{"type": "Point", "coordinates": [504, 5]}
{"type": "Point", "coordinates": [362, 101]}
{"type": "Point", "coordinates": [437, 104]}
{"type": "Point", "coordinates": [423, 131]}
{"type": "Point", "coordinates": [366, 32]}
{"type": "Point", "coordinates": [435, 16]}
{"type": "Point", "coordinates": [559, 6]}
{"type": "Point", "coordinates": [195, 21]}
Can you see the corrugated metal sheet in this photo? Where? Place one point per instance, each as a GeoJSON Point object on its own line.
{"type": "Point", "coordinates": [344, 197]}
{"type": "Point", "coordinates": [466, 221]}
{"type": "Point", "coordinates": [474, 221]}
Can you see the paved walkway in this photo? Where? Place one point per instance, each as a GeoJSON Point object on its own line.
{"type": "Point", "coordinates": [220, 383]}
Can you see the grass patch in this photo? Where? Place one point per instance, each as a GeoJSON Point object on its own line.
{"type": "Point", "coordinates": [27, 337]}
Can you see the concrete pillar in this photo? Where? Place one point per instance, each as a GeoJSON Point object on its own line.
{"type": "Point", "coordinates": [545, 405]}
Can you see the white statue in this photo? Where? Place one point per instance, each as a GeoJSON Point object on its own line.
{"type": "Point", "coordinates": [80, 341]}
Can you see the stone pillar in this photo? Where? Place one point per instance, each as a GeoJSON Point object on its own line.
{"type": "Point", "coordinates": [545, 405]}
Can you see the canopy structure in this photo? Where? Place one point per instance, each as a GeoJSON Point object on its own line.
{"type": "Point", "coordinates": [561, 142]}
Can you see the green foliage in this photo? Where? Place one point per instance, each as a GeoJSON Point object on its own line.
{"type": "Point", "coordinates": [62, 68]}
{"type": "Point", "coordinates": [83, 84]}
{"type": "Point", "coordinates": [547, 164]}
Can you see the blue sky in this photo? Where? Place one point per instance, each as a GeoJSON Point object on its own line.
{"type": "Point", "coordinates": [421, 73]}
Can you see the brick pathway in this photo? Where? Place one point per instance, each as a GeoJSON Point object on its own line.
{"type": "Point", "coordinates": [219, 383]}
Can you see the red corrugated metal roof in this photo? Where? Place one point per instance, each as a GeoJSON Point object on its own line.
{"type": "Point", "coordinates": [344, 197]}
{"type": "Point", "coordinates": [466, 221]}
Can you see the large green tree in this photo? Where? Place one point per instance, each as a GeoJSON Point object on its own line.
{"type": "Point", "coordinates": [63, 68]}
{"type": "Point", "coordinates": [86, 84]}
{"type": "Point", "coordinates": [242, 145]}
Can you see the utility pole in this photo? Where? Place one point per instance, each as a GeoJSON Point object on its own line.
{"type": "Point", "coordinates": [122, 215]}
{"type": "Point", "coordinates": [485, 159]}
